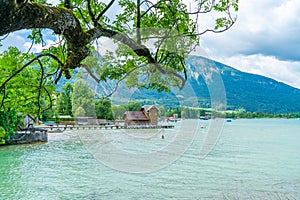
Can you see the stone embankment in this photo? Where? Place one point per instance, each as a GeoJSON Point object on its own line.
{"type": "Point", "coordinates": [28, 136]}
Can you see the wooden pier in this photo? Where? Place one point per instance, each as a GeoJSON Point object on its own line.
{"type": "Point", "coordinates": [61, 128]}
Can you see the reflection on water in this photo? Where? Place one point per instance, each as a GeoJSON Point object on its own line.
{"type": "Point", "coordinates": [253, 159]}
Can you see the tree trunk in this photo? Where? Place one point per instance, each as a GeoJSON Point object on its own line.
{"type": "Point", "coordinates": [62, 21]}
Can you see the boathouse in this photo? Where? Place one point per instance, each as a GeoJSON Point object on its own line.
{"type": "Point", "coordinates": [147, 115]}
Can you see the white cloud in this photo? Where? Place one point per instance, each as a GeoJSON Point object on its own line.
{"type": "Point", "coordinates": [53, 2]}
{"type": "Point", "coordinates": [283, 71]}
{"type": "Point", "coordinates": [263, 27]}
{"type": "Point", "coordinates": [16, 39]}
{"type": "Point", "coordinates": [263, 41]}
{"type": "Point", "coordinates": [19, 39]}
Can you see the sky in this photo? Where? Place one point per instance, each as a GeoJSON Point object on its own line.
{"type": "Point", "coordinates": [263, 40]}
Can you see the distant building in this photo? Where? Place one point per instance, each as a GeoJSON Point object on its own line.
{"type": "Point", "coordinates": [147, 115]}
{"type": "Point", "coordinates": [152, 112]}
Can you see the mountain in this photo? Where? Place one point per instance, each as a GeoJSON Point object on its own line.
{"type": "Point", "coordinates": [210, 82]}
{"type": "Point", "coordinates": [253, 92]}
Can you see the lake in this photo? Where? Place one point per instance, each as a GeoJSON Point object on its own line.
{"type": "Point", "coordinates": [253, 159]}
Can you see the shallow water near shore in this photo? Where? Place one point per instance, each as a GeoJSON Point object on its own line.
{"type": "Point", "coordinates": [253, 159]}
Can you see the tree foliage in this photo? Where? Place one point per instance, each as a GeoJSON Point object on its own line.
{"type": "Point", "coordinates": [9, 121]}
{"type": "Point", "coordinates": [2, 135]}
{"type": "Point", "coordinates": [104, 109]}
{"type": "Point", "coordinates": [134, 106]}
{"type": "Point", "coordinates": [118, 111]}
{"type": "Point", "coordinates": [83, 100]}
{"type": "Point", "coordinates": [64, 100]}
{"type": "Point", "coordinates": [79, 112]}
{"type": "Point", "coordinates": [26, 84]}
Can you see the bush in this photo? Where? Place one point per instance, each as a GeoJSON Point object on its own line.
{"type": "Point", "coordinates": [9, 121]}
{"type": "Point", "coordinates": [2, 135]}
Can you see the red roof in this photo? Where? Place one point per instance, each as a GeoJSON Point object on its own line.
{"type": "Point", "coordinates": [136, 116]}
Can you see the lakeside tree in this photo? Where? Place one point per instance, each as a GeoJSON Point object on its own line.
{"type": "Point", "coordinates": [9, 121]}
{"type": "Point", "coordinates": [83, 100]}
{"type": "Point", "coordinates": [79, 112]}
{"type": "Point", "coordinates": [119, 110]}
{"type": "Point", "coordinates": [25, 88]}
{"type": "Point", "coordinates": [2, 135]}
{"type": "Point", "coordinates": [64, 100]}
{"type": "Point", "coordinates": [104, 109]}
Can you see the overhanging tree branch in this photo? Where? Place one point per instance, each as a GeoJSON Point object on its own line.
{"type": "Point", "coordinates": [40, 87]}
{"type": "Point", "coordinates": [26, 65]}
{"type": "Point", "coordinates": [104, 10]}
{"type": "Point", "coordinates": [170, 14]}
{"type": "Point", "coordinates": [60, 20]}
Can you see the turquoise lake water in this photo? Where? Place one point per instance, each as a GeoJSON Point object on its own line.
{"type": "Point", "coordinates": [253, 159]}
